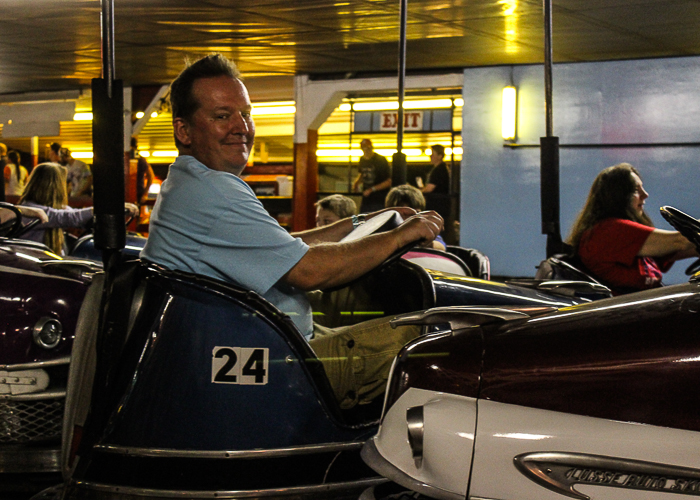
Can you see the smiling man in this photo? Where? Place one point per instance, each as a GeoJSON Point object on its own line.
{"type": "Point", "coordinates": [208, 221]}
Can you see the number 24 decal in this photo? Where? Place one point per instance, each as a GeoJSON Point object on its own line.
{"type": "Point", "coordinates": [239, 365]}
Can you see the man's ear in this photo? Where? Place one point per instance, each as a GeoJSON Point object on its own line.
{"type": "Point", "coordinates": [182, 131]}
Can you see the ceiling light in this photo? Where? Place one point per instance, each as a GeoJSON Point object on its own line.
{"type": "Point", "coordinates": [391, 105]}
{"type": "Point", "coordinates": [508, 113]}
{"type": "Point", "coordinates": [428, 104]}
{"type": "Point", "coordinates": [82, 117]}
{"type": "Point", "coordinates": [344, 153]}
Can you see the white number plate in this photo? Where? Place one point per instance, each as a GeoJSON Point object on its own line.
{"type": "Point", "coordinates": [239, 365]}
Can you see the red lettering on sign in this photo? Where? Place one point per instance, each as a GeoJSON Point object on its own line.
{"type": "Point", "coordinates": [411, 121]}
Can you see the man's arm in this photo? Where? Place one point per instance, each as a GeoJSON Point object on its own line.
{"type": "Point", "coordinates": [335, 232]}
{"type": "Point", "coordinates": [356, 184]}
{"type": "Point", "coordinates": [332, 264]}
{"type": "Point", "coordinates": [386, 184]}
{"type": "Point", "coordinates": [428, 188]}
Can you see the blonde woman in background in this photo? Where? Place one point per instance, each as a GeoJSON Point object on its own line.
{"type": "Point", "coordinates": [46, 189]}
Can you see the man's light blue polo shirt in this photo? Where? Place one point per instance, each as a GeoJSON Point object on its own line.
{"type": "Point", "coordinates": [210, 222]}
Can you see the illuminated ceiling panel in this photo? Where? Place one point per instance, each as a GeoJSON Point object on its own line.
{"type": "Point", "coordinates": [55, 44]}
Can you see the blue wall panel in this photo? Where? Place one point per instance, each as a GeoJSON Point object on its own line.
{"type": "Point", "coordinates": [610, 102]}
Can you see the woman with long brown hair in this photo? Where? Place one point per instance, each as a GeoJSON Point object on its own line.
{"type": "Point", "coordinates": [46, 189]}
{"type": "Point", "coordinates": [616, 239]}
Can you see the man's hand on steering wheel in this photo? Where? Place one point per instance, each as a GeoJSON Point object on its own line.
{"type": "Point", "coordinates": [422, 227]}
{"type": "Point", "coordinates": [404, 212]}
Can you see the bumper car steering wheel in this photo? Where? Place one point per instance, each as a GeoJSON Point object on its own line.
{"type": "Point", "coordinates": [686, 225]}
{"type": "Point", "coordinates": [12, 227]}
{"type": "Point", "coordinates": [380, 223]}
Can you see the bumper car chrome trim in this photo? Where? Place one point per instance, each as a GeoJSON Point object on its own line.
{"type": "Point", "coordinates": [320, 489]}
{"type": "Point", "coordinates": [561, 472]}
{"type": "Point", "coordinates": [35, 396]}
{"type": "Point", "coordinates": [278, 452]}
{"type": "Point", "coordinates": [38, 364]}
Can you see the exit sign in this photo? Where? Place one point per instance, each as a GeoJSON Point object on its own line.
{"type": "Point", "coordinates": [412, 120]}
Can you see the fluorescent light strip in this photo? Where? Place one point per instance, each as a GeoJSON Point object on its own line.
{"type": "Point", "coordinates": [273, 110]}
{"type": "Point", "coordinates": [508, 113]}
{"type": "Point", "coordinates": [392, 105]}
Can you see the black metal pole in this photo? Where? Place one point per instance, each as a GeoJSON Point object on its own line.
{"type": "Point", "coordinates": [549, 150]}
{"type": "Point", "coordinates": [108, 148]}
{"type": "Point", "coordinates": [110, 233]}
{"type": "Point", "coordinates": [399, 159]}
{"type": "Point", "coordinates": [107, 21]}
{"type": "Point", "coordinates": [548, 67]}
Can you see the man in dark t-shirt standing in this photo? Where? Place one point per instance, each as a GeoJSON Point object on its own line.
{"type": "Point", "coordinates": [439, 176]}
{"type": "Point", "coordinates": [437, 189]}
{"type": "Point", "coordinates": [375, 177]}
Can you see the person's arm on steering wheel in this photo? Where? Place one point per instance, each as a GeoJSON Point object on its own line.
{"type": "Point", "coordinates": [327, 265]}
{"type": "Point", "coordinates": [33, 213]}
{"type": "Point", "coordinates": [335, 232]}
{"type": "Point", "coordinates": [662, 243]}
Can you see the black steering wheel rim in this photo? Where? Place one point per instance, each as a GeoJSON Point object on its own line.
{"type": "Point", "coordinates": [24, 228]}
{"type": "Point", "coordinates": [384, 221]}
{"type": "Point", "coordinates": [10, 227]}
{"type": "Point", "coordinates": [688, 226]}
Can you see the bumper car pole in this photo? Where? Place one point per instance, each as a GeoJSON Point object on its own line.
{"type": "Point", "coordinates": [398, 161]}
{"type": "Point", "coordinates": [110, 232]}
{"type": "Point", "coordinates": [108, 149]}
{"type": "Point", "coordinates": [549, 150]}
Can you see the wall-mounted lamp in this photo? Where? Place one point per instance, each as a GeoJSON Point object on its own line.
{"type": "Point", "coordinates": [508, 113]}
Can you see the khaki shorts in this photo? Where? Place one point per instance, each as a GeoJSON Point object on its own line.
{"type": "Point", "coordinates": [357, 358]}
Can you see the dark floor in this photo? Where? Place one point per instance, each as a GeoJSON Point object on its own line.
{"type": "Point", "coordinates": [24, 486]}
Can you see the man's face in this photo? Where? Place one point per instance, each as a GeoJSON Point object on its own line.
{"type": "Point", "coordinates": [366, 148]}
{"type": "Point", "coordinates": [220, 134]}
